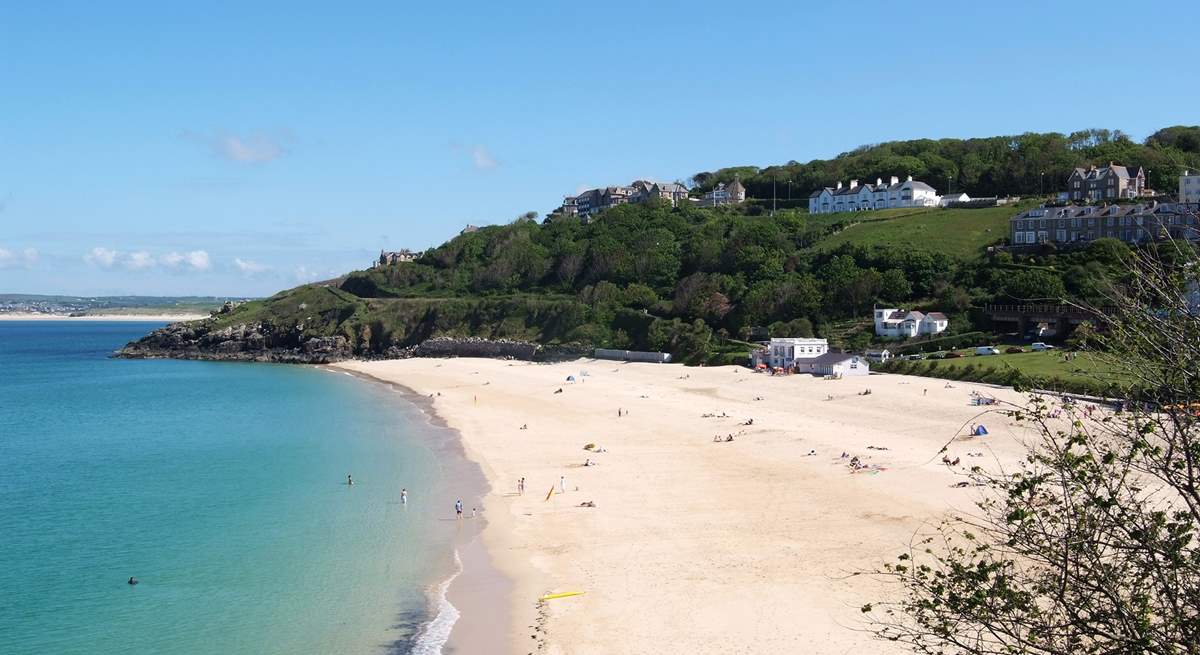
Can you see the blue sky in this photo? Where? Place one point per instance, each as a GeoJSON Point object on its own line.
{"type": "Point", "coordinates": [215, 149]}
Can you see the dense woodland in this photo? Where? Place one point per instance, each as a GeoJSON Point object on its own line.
{"type": "Point", "coordinates": [1024, 165]}
{"type": "Point", "coordinates": [697, 282]}
{"type": "Point", "coordinates": [650, 276]}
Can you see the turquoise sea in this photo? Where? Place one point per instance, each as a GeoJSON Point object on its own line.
{"type": "Point", "coordinates": [222, 488]}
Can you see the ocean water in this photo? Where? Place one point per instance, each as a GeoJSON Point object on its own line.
{"type": "Point", "coordinates": [222, 488]}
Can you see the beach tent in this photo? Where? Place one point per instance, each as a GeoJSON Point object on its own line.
{"type": "Point", "coordinates": [570, 378]}
{"type": "Point", "coordinates": [980, 431]}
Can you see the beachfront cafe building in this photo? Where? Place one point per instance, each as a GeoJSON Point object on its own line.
{"type": "Point", "coordinates": [788, 353]}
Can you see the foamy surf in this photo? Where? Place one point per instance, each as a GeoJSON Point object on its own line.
{"type": "Point", "coordinates": [435, 633]}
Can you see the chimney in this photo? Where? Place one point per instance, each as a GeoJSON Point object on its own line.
{"type": "Point", "coordinates": [895, 180]}
{"type": "Point", "coordinates": [853, 184]}
{"type": "Point", "coordinates": [878, 181]}
{"type": "Point", "coordinates": [839, 184]}
{"type": "Point", "coordinates": [909, 179]}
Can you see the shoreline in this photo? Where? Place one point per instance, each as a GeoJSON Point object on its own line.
{"type": "Point", "coordinates": [477, 590]}
{"type": "Point", "coordinates": [693, 546]}
{"type": "Point", "coordinates": [132, 318]}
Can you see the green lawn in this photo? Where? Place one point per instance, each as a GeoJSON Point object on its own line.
{"type": "Point", "coordinates": [963, 233]}
{"type": "Point", "coordinates": [1047, 364]}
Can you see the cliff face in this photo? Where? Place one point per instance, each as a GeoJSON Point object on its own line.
{"type": "Point", "coordinates": [258, 342]}
{"type": "Point", "coordinates": [263, 342]}
{"type": "Point", "coordinates": [317, 324]}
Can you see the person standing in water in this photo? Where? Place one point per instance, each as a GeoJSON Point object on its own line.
{"type": "Point", "coordinates": [458, 508]}
{"type": "Point", "coordinates": [404, 496]}
{"type": "Point", "coordinates": [349, 480]}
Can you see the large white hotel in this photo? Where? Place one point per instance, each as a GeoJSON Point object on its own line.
{"type": "Point", "coordinates": [860, 197]}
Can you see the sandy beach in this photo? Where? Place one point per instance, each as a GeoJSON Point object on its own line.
{"type": "Point", "coordinates": [695, 546]}
{"type": "Point", "coordinates": [29, 316]}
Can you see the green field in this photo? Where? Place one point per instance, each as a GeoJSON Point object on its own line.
{"type": "Point", "coordinates": [1085, 373]}
{"type": "Point", "coordinates": [1040, 364]}
{"type": "Point", "coordinates": [963, 233]}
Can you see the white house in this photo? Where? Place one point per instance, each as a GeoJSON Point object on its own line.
{"type": "Point", "coordinates": [856, 197]}
{"type": "Point", "coordinates": [788, 352]}
{"type": "Point", "coordinates": [897, 323]}
{"type": "Point", "coordinates": [837, 365]}
{"type": "Point", "coordinates": [1189, 187]}
{"type": "Point", "coordinates": [949, 198]}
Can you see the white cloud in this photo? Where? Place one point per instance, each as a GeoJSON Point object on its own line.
{"type": "Point", "coordinates": [255, 148]}
{"type": "Point", "coordinates": [13, 259]}
{"type": "Point", "coordinates": [306, 274]}
{"type": "Point", "coordinates": [251, 150]}
{"type": "Point", "coordinates": [250, 267]}
{"type": "Point", "coordinates": [482, 159]}
{"type": "Point", "coordinates": [140, 260]}
{"type": "Point", "coordinates": [198, 259]}
{"type": "Point", "coordinates": [102, 257]}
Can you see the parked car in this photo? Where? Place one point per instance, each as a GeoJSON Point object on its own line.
{"type": "Point", "coordinates": [951, 355]}
{"type": "Point", "coordinates": [1039, 346]}
{"type": "Point", "coordinates": [987, 350]}
{"type": "Point", "coordinates": [1012, 350]}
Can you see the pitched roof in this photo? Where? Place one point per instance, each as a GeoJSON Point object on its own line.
{"type": "Point", "coordinates": [829, 358]}
{"type": "Point", "coordinates": [937, 316]}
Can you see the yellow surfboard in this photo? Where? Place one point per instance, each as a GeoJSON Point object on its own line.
{"type": "Point", "coordinates": [564, 594]}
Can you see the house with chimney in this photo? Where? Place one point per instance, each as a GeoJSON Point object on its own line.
{"type": "Point", "coordinates": [1131, 223]}
{"type": "Point", "coordinates": [396, 256]}
{"type": "Point", "coordinates": [900, 324]}
{"type": "Point", "coordinates": [593, 201]}
{"type": "Point", "coordinates": [1106, 183]}
{"type": "Point", "coordinates": [863, 197]}
{"type": "Point", "coordinates": [732, 194]}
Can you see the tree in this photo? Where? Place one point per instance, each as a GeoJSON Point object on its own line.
{"type": "Point", "coordinates": [1090, 545]}
{"type": "Point", "coordinates": [894, 285]}
{"type": "Point", "coordinates": [1028, 285]}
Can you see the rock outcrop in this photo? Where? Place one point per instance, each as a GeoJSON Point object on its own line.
{"type": "Point", "coordinates": [257, 342]}
{"type": "Point", "coordinates": [264, 342]}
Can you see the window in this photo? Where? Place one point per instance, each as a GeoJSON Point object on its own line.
{"type": "Point", "coordinates": [1060, 235]}
{"type": "Point", "coordinates": [1018, 237]}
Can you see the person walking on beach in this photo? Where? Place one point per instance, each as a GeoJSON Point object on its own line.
{"type": "Point", "coordinates": [458, 508]}
{"type": "Point", "coordinates": [562, 484]}
{"type": "Point", "coordinates": [521, 486]}
{"type": "Point", "coordinates": [404, 496]}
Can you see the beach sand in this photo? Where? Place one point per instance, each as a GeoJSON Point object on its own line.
{"type": "Point", "coordinates": [695, 546]}
{"type": "Point", "coordinates": [29, 316]}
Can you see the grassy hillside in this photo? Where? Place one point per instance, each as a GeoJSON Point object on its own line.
{"type": "Point", "coordinates": [1086, 373]}
{"type": "Point", "coordinates": [686, 280]}
{"type": "Point", "coordinates": [961, 233]}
